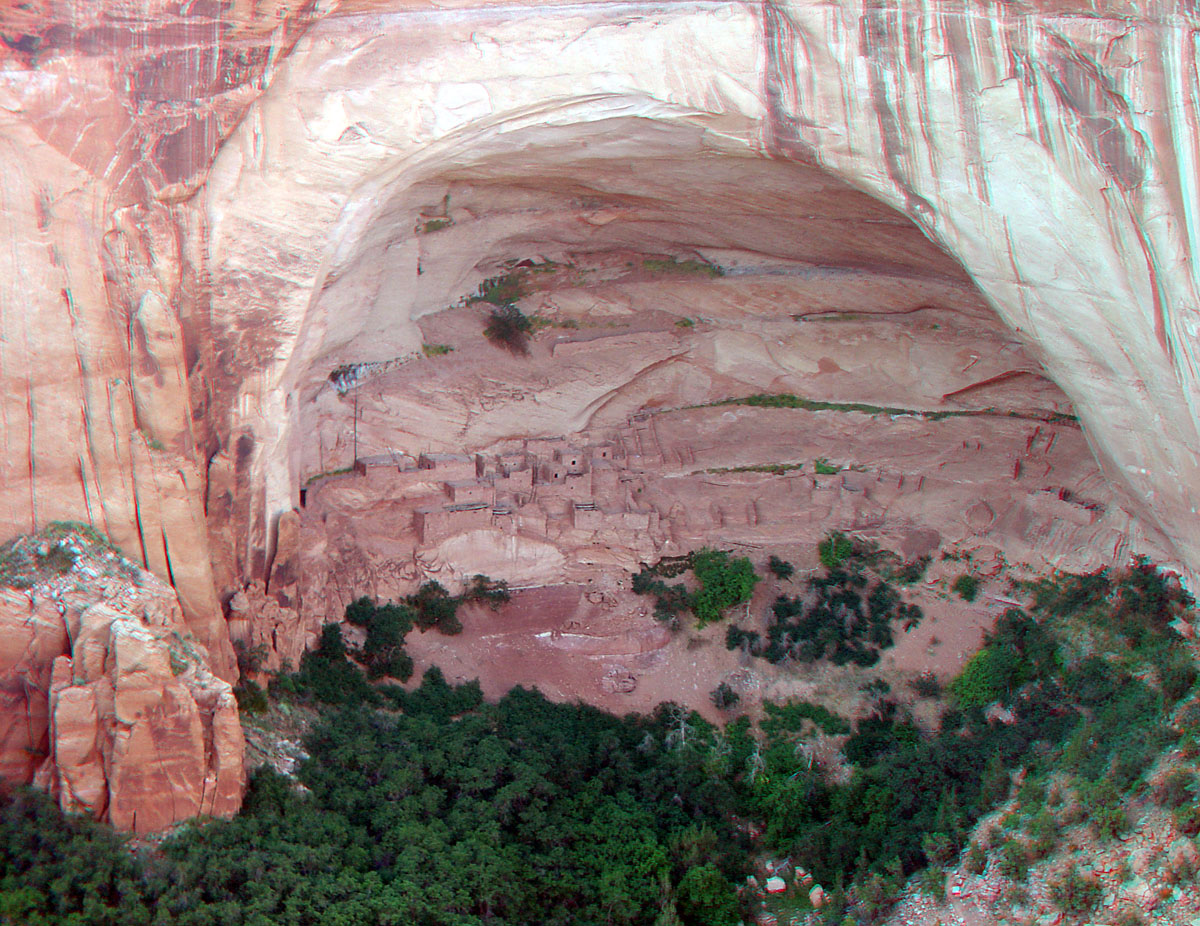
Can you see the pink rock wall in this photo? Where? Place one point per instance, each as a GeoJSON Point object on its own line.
{"type": "Point", "coordinates": [208, 206]}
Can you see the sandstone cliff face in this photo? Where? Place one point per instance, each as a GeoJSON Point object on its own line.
{"type": "Point", "coordinates": [109, 117]}
{"type": "Point", "coordinates": [211, 206]}
{"type": "Point", "coordinates": [1053, 154]}
{"type": "Point", "coordinates": [108, 701]}
{"type": "Point", "coordinates": [1050, 153]}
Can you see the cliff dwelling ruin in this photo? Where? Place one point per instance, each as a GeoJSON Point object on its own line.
{"type": "Point", "coordinates": [309, 302]}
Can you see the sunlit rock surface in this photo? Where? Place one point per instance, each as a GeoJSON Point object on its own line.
{"type": "Point", "coordinates": [211, 207]}
{"type": "Point", "coordinates": [108, 701]}
{"type": "Point", "coordinates": [1051, 153]}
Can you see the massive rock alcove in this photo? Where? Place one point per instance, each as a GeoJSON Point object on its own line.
{"type": "Point", "coordinates": [350, 142]}
{"type": "Point", "coordinates": [921, 206]}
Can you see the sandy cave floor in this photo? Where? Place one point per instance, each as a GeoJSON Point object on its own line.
{"type": "Point", "coordinates": [602, 646]}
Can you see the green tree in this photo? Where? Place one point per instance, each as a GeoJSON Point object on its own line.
{"type": "Point", "coordinates": [966, 586]}
{"type": "Point", "coordinates": [725, 581]}
{"type": "Point", "coordinates": [706, 898]}
{"type": "Point", "coordinates": [835, 549]}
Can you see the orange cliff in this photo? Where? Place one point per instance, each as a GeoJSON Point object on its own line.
{"type": "Point", "coordinates": [106, 699]}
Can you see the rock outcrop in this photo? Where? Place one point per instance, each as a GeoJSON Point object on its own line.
{"type": "Point", "coordinates": [107, 698]}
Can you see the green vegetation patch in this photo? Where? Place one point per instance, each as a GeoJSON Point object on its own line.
{"type": "Point", "coordinates": [690, 267]}
{"type": "Point", "coordinates": [443, 810]}
{"type": "Point", "coordinates": [342, 471]}
{"type": "Point", "coordinates": [333, 673]}
{"type": "Point", "coordinates": [775, 469]}
{"type": "Point", "coordinates": [501, 290]}
{"type": "Point", "coordinates": [508, 327]}
{"type": "Point", "coordinates": [724, 580]}
{"type": "Point", "coordinates": [383, 653]}
{"type": "Point", "coordinates": [30, 559]}
{"type": "Point", "coordinates": [438, 808]}
{"type": "Point", "coordinates": [834, 549]}
{"type": "Point", "coordinates": [788, 400]}
{"type": "Point", "coordinates": [966, 587]}
{"type": "Point", "coordinates": [794, 717]}
{"type": "Point", "coordinates": [435, 225]}
{"type": "Point", "coordinates": [780, 568]}
{"type": "Point", "coordinates": [847, 615]}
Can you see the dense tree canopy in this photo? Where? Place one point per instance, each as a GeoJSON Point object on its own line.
{"type": "Point", "coordinates": [430, 806]}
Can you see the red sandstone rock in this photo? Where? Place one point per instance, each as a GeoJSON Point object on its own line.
{"type": "Point", "coordinates": [165, 371]}
{"type": "Point", "coordinates": [110, 701]}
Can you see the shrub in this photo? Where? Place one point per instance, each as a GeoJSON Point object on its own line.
{"type": "Point", "coordinates": [250, 659]}
{"type": "Point", "coordinates": [738, 638]}
{"type": "Point", "coordinates": [1177, 675]}
{"type": "Point", "coordinates": [494, 591]}
{"type": "Point", "coordinates": [932, 883]}
{"type": "Point", "coordinates": [725, 581]}
{"type": "Point", "coordinates": [995, 781]}
{"type": "Point", "coordinates": [670, 601]}
{"type": "Point", "coordinates": [840, 625]}
{"type": "Point", "coordinates": [823, 467]}
{"type": "Point", "coordinates": [967, 587]}
{"type": "Point", "coordinates": [791, 715]}
{"type": "Point", "coordinates": [433, 606]}
{"type": "Point", "coordinates": [875, 894]}
{"type": "Point", "coordinates": [1066, 595]}
{"type": "Point", "coordinates": [780, 569]}
{"type": "Point", "coordinates": [979, 683]}
{"type": "Point", "coordinates": [1043, 833]}
{"type": "Point", "coordinates": [724, 698]}
{"type": "Point", "coordinates": [326, 674]}
{"type": "Point", "coordinates": [1014, 860]}
{"type": "Point", "coordinates": [501, 291]}
{"type": "Point", "coordinates": [834, 550]}
{"type": "Point", "coordinates": [1075, 893]}
{"type": "Point", "coordinates": [705, 896]}
{"type": "Point", "coordinates": [509, 328]}
{"type": "Point", "coordinates": [1108, 816]}
{"type": "Point", "coordinates": [383, 652]}
{"type": "Point", "coordinates": [1187, 819]}
{"type": "Point", "coordinates": [926, 685]}
{"type": "Point", "coordinates": [28, 560]}
{"type": "Point", "coordinates": [911, 572]}
{"type": "Point", "coordinates": [938, 848]}
{"type": "Point", "coordinates": [673, 265]}
{"type": "Point", "coordinates": [251, 699]}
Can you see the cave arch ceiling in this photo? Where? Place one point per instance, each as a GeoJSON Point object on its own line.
{"type": "Point", "coordinates": [1020, 145]}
